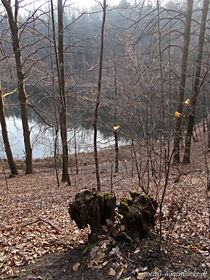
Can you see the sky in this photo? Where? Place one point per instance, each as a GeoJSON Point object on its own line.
{"type": "Point", "coordinates": [27, 4]}
{"type": "Point", "coordinates": [80, 3]}
{"type": "Point", "coordinates": [87, 3]}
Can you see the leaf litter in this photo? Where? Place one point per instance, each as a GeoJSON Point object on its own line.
{"type": "Point", "coordinates": [35, 220]}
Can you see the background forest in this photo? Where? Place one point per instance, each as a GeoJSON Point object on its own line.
{"type": "Point", "coordinates": [143, 52]}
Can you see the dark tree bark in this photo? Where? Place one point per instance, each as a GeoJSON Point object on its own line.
{"type": "Point", "coordinates": [115, 119]}
{"type": "Point", "coordinates": [209, 133]}
{"type": "Point", "coordinates": [188, 19]}
{"type": "Point", "coordinates": [22, 96]}
{"type": "Point", "coordinates": [59, 57]}
{"type": "Point", "coordinates": [92, 208]}
{"type": "Point", "coordinates": [138, 213]}
{"type": "Point", "coordinates": [75, 152]}
{"type": "Point", "coordinates": [63, 112]}
{"type": "Point", "coordinates": [8, 150]}
{"type": "Point", "coordinates": [196, 87]}
{"type": "Point", "coordinates": [98, 98]}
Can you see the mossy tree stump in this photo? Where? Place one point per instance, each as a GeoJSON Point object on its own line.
{"type": "Point", "coordinates": [138, 213]}
{"type": "Point", "coordinates": [92, 208]}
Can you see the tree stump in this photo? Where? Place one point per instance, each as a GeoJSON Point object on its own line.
{"type": "Point", "coordinates": [138, 213]}
{"type": "Point", "coordinates": [92, 208]}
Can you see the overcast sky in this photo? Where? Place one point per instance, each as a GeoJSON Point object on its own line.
{"type": "Point", "coordinates": [80, 3]}
{"type": "Point", "coordinates": [87, 3]}
{"type": "Point", "coordinates": [28, 4]}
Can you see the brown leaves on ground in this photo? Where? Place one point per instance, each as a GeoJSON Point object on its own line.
{"type": "Point", "coordinates": [35, 220]}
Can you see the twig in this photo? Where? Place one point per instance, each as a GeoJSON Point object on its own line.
{"type": "Point", "coordinates": [185, 173]}
{"type": "Point", "coordinates": [40, 220]}
{"type": "Point", "coordinates": [11, 276]}
{"type": "Point", "coordinates": [126, 236]}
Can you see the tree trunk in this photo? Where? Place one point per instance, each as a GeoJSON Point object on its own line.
{"type": "Point", "coordinates": [115, 120]}
{"type": "Point", "coordinates": [208, 133]}
{"type": "Point", "coordinates": [75, 152]}
{"type": "Point", "coordinates": [98, 99]}
{"type": "Point", "coordinates": [8, 150]}
{"type": "Point", "coordinates": [196, 87]}
{"type": "Point", "coordinates": [63, 121]}
{"type": "Point", "coordinates": [182, 82]}
{"type": "Point", "coordinates": [21, 84]}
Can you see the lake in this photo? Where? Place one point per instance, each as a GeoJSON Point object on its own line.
{"type": "Point", "coordinates": [42, 139]}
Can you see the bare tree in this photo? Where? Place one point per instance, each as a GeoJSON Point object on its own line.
{"type": "Point", "coordinates": [98, 97]}
{"type": "Point", "coordinates": [22, 96]}
{"type": "Point", "coordinates": [115, 119]}
{"type": "Point", "coordinates": [197, 82]}
{"type": "Point", "coordinates": [180, 99]}
{"type": "Point", "coordinates": [59, 54]}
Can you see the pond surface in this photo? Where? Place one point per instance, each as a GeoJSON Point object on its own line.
{"type": "Point", "coordinates": [42, 139]}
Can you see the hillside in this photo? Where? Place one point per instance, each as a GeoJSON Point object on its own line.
{"type": "Point", "coordinates": [36, 229]}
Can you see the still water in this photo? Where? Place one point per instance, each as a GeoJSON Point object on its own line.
{"type": "Point", "coordinates": [42, 139]}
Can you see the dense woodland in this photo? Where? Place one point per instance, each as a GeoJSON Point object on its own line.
{"type": "Point", "coordinates": [142, 69]}
{"type": "Point", "coordinates": [137, 71]}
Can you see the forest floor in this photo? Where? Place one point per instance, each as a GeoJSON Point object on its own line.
{"type": "Point", "coordinates": [38, 240]}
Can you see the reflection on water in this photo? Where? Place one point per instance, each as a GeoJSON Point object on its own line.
{"type": "Point", "coordinates": [42, 139]}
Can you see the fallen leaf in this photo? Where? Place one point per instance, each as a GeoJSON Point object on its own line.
{"type": "Point", "coordinates": [137, 251]}
{"type": "Point", "coordinates": [105, 263]}
{"type": "Point", "coordinates": [141, 275]}
{"type": "Point", "coordinates": [103, 246]}
{"type": "Point", "coordinates": [122, 227]}
{"type": "Point", "coordinates": [76, 267]}
{"type": "Point", "coordinates": [120, 272]}
{"type": "Point", "coordinates": [112, 272]}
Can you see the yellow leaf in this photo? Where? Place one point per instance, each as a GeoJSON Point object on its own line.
{"type": "Point", "coordinates": [116, 127]}
{"type": "Point", "coordinates": [187, 101]}
{"type": "Point", "coordinates": [177, 114]}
